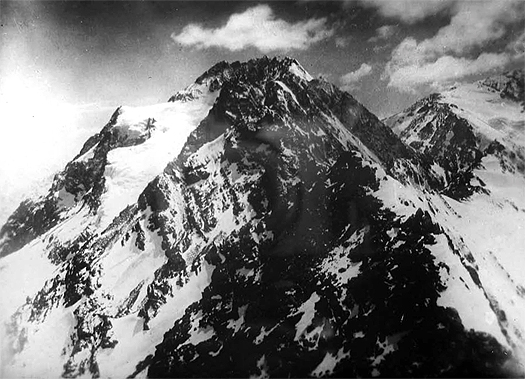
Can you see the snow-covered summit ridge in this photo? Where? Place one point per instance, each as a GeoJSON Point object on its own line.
{"type": "Point", "coordinates": [265, 68]}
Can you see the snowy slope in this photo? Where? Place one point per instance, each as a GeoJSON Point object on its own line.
{"type": "Point", "coordinates": [147, 139]}
{"type": "Point", "coordinates": [472, 114]}
{"type": "Point", "coordinates": [129, 170]}
{"type": "Point", "coordinates": [491, 127]}
{"type": "Point", "coordinates": [487, 206]}
{"type": "Point", "coordinates": [261, 223]}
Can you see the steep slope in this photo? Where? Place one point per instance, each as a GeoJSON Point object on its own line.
{"type": "Point", "coordinates": [476, 135]}
{"type": "Point", "coordinates": [290, 234]}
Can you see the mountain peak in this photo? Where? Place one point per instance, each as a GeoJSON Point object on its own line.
{"type": "Point", "coordinates": [259, 69]}
{"type": "Point", "coordinates": [273, 65]}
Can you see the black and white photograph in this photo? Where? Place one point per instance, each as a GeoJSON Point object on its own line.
{"type": "Point", "coordinates": [262, 189]}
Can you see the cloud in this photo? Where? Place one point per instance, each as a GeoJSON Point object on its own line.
{"type": "Point", "coordinates": [409, 11]}
{"type": "Point", "coordinates": [384, 32]}
{"type": "Point", "coordinates": [379, 48]}
{"type": "Point", "coordinates": [445, 69]}
{"type": "Point", "coordinates": [349, 80]}
{"type": "Point", "coordinates": [256, 27]}
{"type": "Point", "coordinates": [517, 46]}
{"type": "Point", "coordinates": [475, 25]}
{"type": "Point", "coordinates": [342, 41]}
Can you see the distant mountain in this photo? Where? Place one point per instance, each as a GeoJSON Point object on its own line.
{"type": "Point", "coordinates": [466, 125]}
{"type": "Point", "coordinates": [264, 223]}
{"type": "Point", "coordinates": [509, 85]}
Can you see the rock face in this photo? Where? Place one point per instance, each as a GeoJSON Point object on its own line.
{"type": "Point", "coordinates": [261, 223]}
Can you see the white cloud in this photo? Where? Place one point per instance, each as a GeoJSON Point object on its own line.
{"type": "Point", "coordinates": [517, 46]}
{"type": "Point", "coordinates": [448, 54]}
{"type": "Point", "coordinates": [408, 52]}
{"type": "Point", "coordinates": [474, 24]}
{"type": "Point", "coordinates": [384, 32]}
{"type": "Point", "coordinates": [409, 11]}
{"type": "Point", "coordinates": [342, 41]}
{"type": "Point", "coordinates": [256, 27]}
{"type": "Point", "coordinates": [349, 80]}
{"type": "Point", "coordinates": [445, 69]}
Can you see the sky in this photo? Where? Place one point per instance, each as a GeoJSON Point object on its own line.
{"type": "Point", "coordinates": [66, 66]}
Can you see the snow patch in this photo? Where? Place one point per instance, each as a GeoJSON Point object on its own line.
{"type": "Point", "coordinates": [300, 72]}
{"type": "Point", "coordinates": [462, 293]}
{"type": "Point", "coordinates": [130, 169]}
{"type": "Point", "coordinates": [41, 356]}
{"type": "Point", "coordinates": [124, 266]}
{"type": "Point", "coordinates": [285, 87]}
{"type": "Point", "coordinates": [308, 311]}
{"type": "Point", "coordinates": [197, 335]}
{"type": "Point", "coordinates": [327, 365]}
{"type": "Point", "coordinates": [24, 273]}
{"type": "Point", "coordinates": [338, 262]}
{"type": "Point", "coordinates": [236, 325]}
{"type": "Point", "coordinates": [135, 343]}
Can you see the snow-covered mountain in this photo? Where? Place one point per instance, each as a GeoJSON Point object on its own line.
{"type": "Point", "coordinates": [264, 223]}
{"type": "Point", "coordinates": [475, 134]}
{"type": "Point", "coordinates": [466, 125]}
